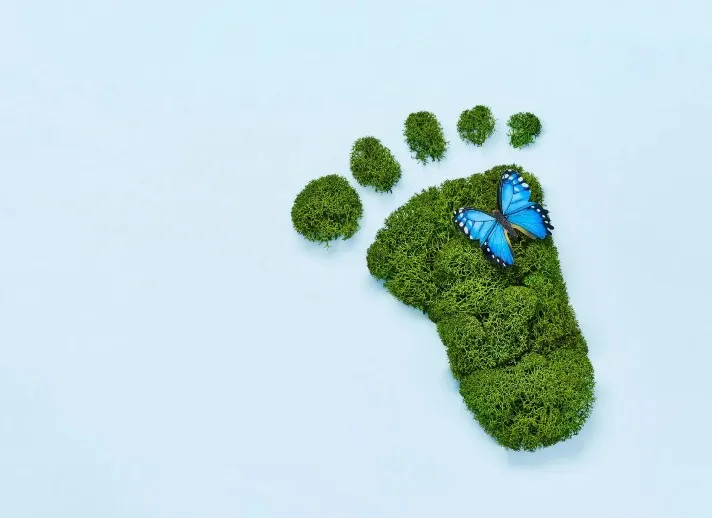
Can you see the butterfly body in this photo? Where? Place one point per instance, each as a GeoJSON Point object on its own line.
{"type": "Point", "coordinates": [515, 212]}
{"type": "Point", "coordinates": [506, 224]}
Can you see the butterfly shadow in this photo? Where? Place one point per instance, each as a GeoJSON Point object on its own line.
{"type": "Point", "coordinates": [565, 451]}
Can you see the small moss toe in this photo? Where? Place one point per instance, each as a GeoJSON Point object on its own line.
{"type": "Point", "coordinates": [373, 164]}
{"type": "Point", "coordinates": [424, 137]}
{"type": "Point", "coordinates": [476, 125]}
{"type": "Point", "coordinates": [524, 129]}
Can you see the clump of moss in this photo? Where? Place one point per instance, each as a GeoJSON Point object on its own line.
{"type": "Point", "coordinates": [476, 125]}
{"type": "Point", "coordinates": [524, 128]}
{"type": "Point", "coordinates": [499, 338]}
{"type": "Point", "coordinates": [539, 401]}
{"type": "Point", "coordinates": [424, 136]}
{"type": "Point", "coordinates": [373, 164]}
{"type": "Point", "coordinates": [326, 209]}
{"type": "Point", "coordinates": [511, 335]}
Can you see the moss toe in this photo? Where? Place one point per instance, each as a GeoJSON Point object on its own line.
{"type": "Point", "coordinates": [326, 209]}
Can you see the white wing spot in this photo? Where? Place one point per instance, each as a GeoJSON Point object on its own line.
{"type": "Point", "coordinates": [538, 210]}
{"type": "Point", "coordinates": [525, 185]}
{"type": "Point", "coordinates": [505, 175]}
{"type": "Point", "coordinates": [461, 224]}
{"type": "Point", "coordinates": [467, 230]}
{"type": "Point", "coordinates": [516, 189]}
{"type": "Point", "coordinates": [488, 249]}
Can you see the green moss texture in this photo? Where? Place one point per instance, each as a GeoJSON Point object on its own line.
{"type": "Point", "coordinates": [524, 128]}
{"type": "Point", "coordinates": [424, 137]}
{"type": "Point", "coordinates": [373, 164]}
{"type": "Point", "coordinates": [326, 209]}
{"type": "Point", "coordinates": [511, 335]}
{"type": "Point", "coordinates": [476, 125]}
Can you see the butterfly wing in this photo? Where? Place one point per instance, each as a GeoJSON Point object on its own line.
{"type": "Point", "coordinates": [497, 247]}
{"type": "Point", "coordinates": [474, 223]}
{"type": "Point", "coordinates": [493, 239]}
{"type": "Point", "coordinates": [513, 198]}
{"type": "Point", "coordinates": [532, 221]}
{"type": "Point", "coordinates": [513, 193]}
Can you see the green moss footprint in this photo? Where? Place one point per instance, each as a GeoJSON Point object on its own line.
{"type": "Point", "coordinates": [511, 336]}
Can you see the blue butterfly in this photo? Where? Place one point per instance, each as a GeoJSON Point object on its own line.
{"type": "Point", "coordinates": [514, 211]}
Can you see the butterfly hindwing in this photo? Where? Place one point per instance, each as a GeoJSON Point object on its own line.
{"type": "Point", "coordinates": [497, 248]}
{"type": "Point", "coordinates": [532, 221]}
{"type": "Point", "coordinates": [513, 193]}
{"type": "Point", "coordinates": [474, 223]}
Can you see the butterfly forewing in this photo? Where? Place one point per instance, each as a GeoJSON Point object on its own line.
{"type": "Point", "coordinates": [513, 193]}
{"type": "Point", "coordinates": [474, 223]}
{"type": "Point", "coordinates": [484, 228]}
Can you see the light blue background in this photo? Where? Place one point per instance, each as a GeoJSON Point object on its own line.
{"type": "Point", "coordinates": [170, 347]}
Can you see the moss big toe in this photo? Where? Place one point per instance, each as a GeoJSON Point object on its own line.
{"type": "Point", "coordinates": [326, 209]}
